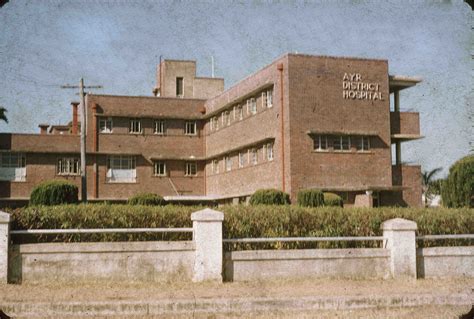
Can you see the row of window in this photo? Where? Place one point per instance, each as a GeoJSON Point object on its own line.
{"type": "Point", "coordinates": [236, 113]}
{"type": "Point", "coordinates": [135, 127]}
{"type": "Point", "coordinates": [159, 169]}
{"type": "Point", "coordinates": [341, 142]}
{"type": "Point", "coordinates": [245, 157]}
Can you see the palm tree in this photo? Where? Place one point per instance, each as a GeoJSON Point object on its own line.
{"type": "Point", "coordinates": [2, 114]}
{"type": "Point", "coordinates": [427, 179]}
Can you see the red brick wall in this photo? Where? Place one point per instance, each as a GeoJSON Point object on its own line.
{"type": "Point", "coordinates": [316, 103]}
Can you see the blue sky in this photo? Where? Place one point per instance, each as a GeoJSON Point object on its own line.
{"type": "Point", "coordinates": [44, 44]}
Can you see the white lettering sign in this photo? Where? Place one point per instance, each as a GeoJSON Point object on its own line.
{"type": "Point", "coordinates": [355, 89]}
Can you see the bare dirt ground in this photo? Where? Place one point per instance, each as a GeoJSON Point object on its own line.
{"type": "Point", "coordinates": [175, 290]}
{"type": "Point", "coordinates": [105, 291]}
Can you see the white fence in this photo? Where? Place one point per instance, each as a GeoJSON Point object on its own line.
{"type": "Point", "coordinates": [202, 258]}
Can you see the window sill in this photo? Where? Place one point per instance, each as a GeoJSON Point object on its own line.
{"type": "Point", "coordinates": [13, 181]}
{"type": "Point", "coordinates": [110, 182]}
{"type": "Point", "coordinates": [105, 132]}
{"type": "Point", "coordinates": [159, 176]}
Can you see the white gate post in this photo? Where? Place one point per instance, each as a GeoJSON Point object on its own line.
{"type": "Point", "coordinates": [4, 246]}
{"type": "Point", "coordinates": [400, 238]}
{"type": "Point", "coordinates": [207, 225]}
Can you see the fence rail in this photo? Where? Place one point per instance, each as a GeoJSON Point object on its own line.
{"type": "Point", "coordinates": [293, 239]}
{"type": "Point", "coordinates": [457, 236]}
{"type": "Point", "coordinates": [100, 231]}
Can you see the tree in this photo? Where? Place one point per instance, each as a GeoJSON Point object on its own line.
{"type": "Point", "coordinates": [3, 116]}
{"type": "Point", "coordinates": [427, 182]}
{"type": "Point", "coordinates": [458, 190]}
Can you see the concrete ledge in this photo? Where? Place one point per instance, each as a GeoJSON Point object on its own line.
{"type": "Point", "coordinates": [104, 247]}
{"type": "Point", "coordinates": [445, 262]}
{"type": "Point", "coordinates": [446, 251]}
{"type": "Point", "coordinates": [226, 305]}
{"type": "Point", "coordinates": [308, 254]}
{"type": "Point", "coordinates": [340, 263]}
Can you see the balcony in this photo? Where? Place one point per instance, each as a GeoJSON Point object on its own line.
{"type": "Point", "coordinates": [404, 126]}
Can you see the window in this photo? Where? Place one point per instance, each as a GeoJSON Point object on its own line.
{"type": "Point", "coordinates": [270, 98]}
{"type": "Point", "coordinates": [363, 143]}
{"type": "Point", "coordinates": [214, 123]}
{"type": "Point", "coordinates": [227, 115]}
{"type": "Point", "coordinates": [267, 99]}
{"type": "Point", "coordinates": [121, 169]}
{"type": "Point", "coordinates": [105, 125]}
{"type": "Point", "coordinates": [239, 113]}
{"type": "Point", "coordinates": [251, 106]}
{"type": "Point", "coordinates": [342, 143]}
{"type": "Point", "coordinates": [135, 126]}
{"type": "Point", "coordinates": [69, 166]}
{"type": "Point", "coordinates": [191, 169]}
{"type": "Point", "coordinates": [159, 169]}
{"type": "Point", "coordinates": [270, 151]}
{"type": "Point", "coordinates": [253, 158]}
{"type": "Point", "coordinates": [190, 128]}
{"type": "Point", "coordinates": [215, 166]}
{"type": "Point", "coordinates": [179, 87]}
{"type": "Point", "coordinates": [228, 163]}
{"type": "Point", "coordinates": [159, 127]}
{"type": "Point", "coordinates": [320, 142]}
{"type": "Point", "coordinates": [225, 118]}
{"type": "Point", "coordinates": [12, 167]}
{"type": "Point", "coordinates": [241, 159]}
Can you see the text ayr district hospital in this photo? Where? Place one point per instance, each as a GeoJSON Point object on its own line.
{"type": "Point", "coordinates": [354, 88]}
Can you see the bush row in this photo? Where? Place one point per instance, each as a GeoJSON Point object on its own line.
{"type": "Point", "coordinates": [240, 222]}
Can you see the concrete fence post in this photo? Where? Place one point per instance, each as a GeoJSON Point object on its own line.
{"type": "Point", "coordinates": [207, 225]}
{"type": "Point", "coordinates": [4, 246]}
{"type": "Point", "coordinates": [400, 238]}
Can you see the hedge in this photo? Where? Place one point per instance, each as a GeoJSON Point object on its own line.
{"type": "Point", "coordinates": [458, 189]}
{"type": "Point", "coordinates": [310, 198]}
{"type": "Point", "coordinates": [269, 197]}
{"type": "Point", "coordinates": [242, 221]}
{"type": "Point", "coordinates": [149, 199]}
{"type": "Point", "coordinates": [54, 193]}
{"type": "Point", "coordinates": [331, 199]}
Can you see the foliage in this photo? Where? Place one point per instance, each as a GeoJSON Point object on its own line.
{"type": "Point", "coordinates": [295, 221]}
{"type": "Point", "coordinates": [310, 198]}
{"type": "Point", "coordinates": [458, 190]}
{"type": "Point", "coordinates": [103, 216]}
{"type": "Point", "coordinates": [331, 199]}
{"type": "Point", "coordinates": [269, 197]}
{"type": "Point", "coordinates": [426, 180]}
{"type": "Point", "coordinates": [436, 185]}
{"type": "Point", "coordinates": [3, 116]}
{"type": "Point", "coordinates": [149, 199]}
{"type": "Point", "coordinates": [54, 193]}
{"type": "Point", "coordinates": [242, 222]}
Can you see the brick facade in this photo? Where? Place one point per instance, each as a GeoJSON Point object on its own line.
{"type": "Point", "coordinates": [301, 122]}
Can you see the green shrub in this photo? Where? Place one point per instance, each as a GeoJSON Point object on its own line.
{"type": "Point", "coordinates": [295, 221]}
{"type": "Point", "coordinates": [149, 199]}
{"type": "Point", "coordinates": [269, 197]}
{"type": "Point", "coordinates": [331, 199]}
{"type": "Point", "coordinates": [458, 190]}
{"type": "Point", "coordinates": [102, 216]}
{"type": "Point", "coordinates": [54, 193]}
{"type": "Point", "coordinates": [242, 222]}
{"type": "Point", "coordinates": [310, 198]}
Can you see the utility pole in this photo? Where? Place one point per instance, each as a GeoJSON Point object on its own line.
{"type": "Point", "coordinates": [83, 133]}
